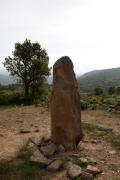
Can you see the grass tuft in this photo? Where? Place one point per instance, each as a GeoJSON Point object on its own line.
{"type": "Point", "coordinates": [24, 151]}
{"type": "Point", "coordinates": [4, 167]}
{"type": "Point", "coordinates": [114, 140]}
{"type": "Point", "coordinates": [81, 149]}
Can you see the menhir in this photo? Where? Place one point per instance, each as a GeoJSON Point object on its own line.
{"type": "Point", "coordinates": [65, 105]}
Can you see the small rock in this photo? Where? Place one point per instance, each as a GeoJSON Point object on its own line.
{"type": "Point", "coordinates": [94, 141]}
{"type": "Point", "coordinates": [25, 131]}
{"type": "Point", "coordinates": [49, 149]}
{"type": "Point", "coordinates": [92, 161]}
{"type": "Point", "coordinates": [38, 157]}
{"type": "Point", "coordinates": [83, 160]}
{"type": "Point", "coordinates": [93, 170]}
{"type": "Point", "coordinates": [102, 162]}
{"type": "Point", "coordinates": [61, 148]}
{"type": "Point", "coordinates": [86, 176]}
{"type": "Point", "coordinates": [32, 147]}
{"type": "Point", "coordinates": [55, 165]}
{"type": "Point", "coordinates": [73, 170]}
{"type": "Point", "coordinates": [112, 152]}
{"type": "Point", "coordinates": [75, 155]}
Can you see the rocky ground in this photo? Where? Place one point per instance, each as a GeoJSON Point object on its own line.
{"type": "Point", "coordinates": [18, 124]}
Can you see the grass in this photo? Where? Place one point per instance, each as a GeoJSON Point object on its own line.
{"type": "Point", "coordinates": [24, 151]}
{"type": "Point", "coordinates": [114, 140]}
{"type": "Point", "coordinates": [111, 137]}
{"type": "Point", "coordinates": [81, 149]}
{"type": "Point", "coordinates": [25, 171]}
{"type": "Point", "coordinates": [28, 170]}
{"type": "Point", "coordinates": [81, 164]}
{"type": "Point", "coordinates": [64, 163]}
{"type": "Point", "coordinates": [93, 130]}
{"type": "Point", "coordinates": [4, 167]}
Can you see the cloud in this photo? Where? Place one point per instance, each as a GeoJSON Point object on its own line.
{"type": "Point", "coordinates": [85, 30]}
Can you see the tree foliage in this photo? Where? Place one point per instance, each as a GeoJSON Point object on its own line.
{"type": "Point", "coordinates": [98, 91]}
{"type": "Point", "coordinates": [111, 90]}
{"type": "Point", "coordinates": [29, 64]}
{"type": "Point", "coordinates": [118, 90]}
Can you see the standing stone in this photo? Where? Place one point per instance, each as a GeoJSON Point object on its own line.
{"type": "Point", "coordinates": [65, 105]}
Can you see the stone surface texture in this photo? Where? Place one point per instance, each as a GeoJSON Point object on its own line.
{"type": "Point", "coordinates": [74, 170]}
{"type": "Point", "coordinates": [38, 157]}
{"type": "Point", "coordinates": [48, 150]}
{"type": "Point", "coordinates": [93, 170]}
{"type": "Point", "coordinates": [65, 105]}
{"type": "Point", "coordinates": [55, 165]}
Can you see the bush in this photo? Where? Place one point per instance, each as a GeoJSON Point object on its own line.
{"type": "Point", "coordinates": [84, 105]}
{"type": "Point", "coordinates": [4, 167]}
{"type": "Point", "coordinates": [98, 91]}
{"type": "Point", "coordinates": [15, 98]}
{"type": "Point", "coordinates": [15, 95]}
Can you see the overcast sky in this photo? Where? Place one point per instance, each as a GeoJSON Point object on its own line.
{"type": "Point", "coordinates": [88, 31]}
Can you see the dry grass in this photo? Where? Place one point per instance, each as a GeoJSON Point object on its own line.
{"type": "Point", "coordinates": [105, 118]}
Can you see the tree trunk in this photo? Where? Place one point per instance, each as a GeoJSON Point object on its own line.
{"type": "Point", "coordinates": [26, 90]}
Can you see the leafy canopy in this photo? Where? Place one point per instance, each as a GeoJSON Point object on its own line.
{"type": "Point", "coordinates": [29, 64]}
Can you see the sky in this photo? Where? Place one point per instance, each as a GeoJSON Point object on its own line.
{"type": "Point", "coordinates": [88, 31]}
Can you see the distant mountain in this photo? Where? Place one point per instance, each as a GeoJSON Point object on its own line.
{"type": "Point", "coordinates": [6, 79]}
{"type": "Point", "coordinates": [99, 78]}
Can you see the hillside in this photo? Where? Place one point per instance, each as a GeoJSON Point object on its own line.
{"type": "Point", "coordinates": [6, 79]}
{"type": "Point", "coordinates": [99, 78]}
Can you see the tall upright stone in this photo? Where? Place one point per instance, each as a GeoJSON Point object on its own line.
{"type": "Point", "coordinates": [65, 105]}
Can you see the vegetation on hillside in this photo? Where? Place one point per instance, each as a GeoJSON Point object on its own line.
{"type": "Point", "coordinates": [99, 79]}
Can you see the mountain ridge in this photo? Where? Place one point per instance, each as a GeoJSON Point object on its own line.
{"type": "Point", "coordinates": [6, 79]}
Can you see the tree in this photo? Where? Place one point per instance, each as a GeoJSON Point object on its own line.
{"type": "Point", "coordinates": [111, 90]}
{"type": "Point", "coordinates": [29, 64]}
{"type": "Point", "coordinates": [118, 90]}
{"type": "Point", "coordinates": [98, 91]}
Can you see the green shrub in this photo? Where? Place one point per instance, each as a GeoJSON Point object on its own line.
{"type": "Point", "coordinates": [84, 104]}
{"type": "Point", "coordinates": [28, 170]}
{"type": "Point", "coordinates": [4, 167]}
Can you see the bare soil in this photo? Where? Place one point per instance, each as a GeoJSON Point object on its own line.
{"type": "Point", "coordinates": [14, 121]}
{"type": "Point", "coordinates": [17, 124]}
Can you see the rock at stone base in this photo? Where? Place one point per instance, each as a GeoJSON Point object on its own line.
{"type": "Point", "coordinates": [55, 165]}
{"type": "Point", "coordinates": [93, 170]}
{"type": "Point", "coordinates": [49, 149]}
{"type": "Point", "coordinates": [32, 147]}
{"type": "Point", "coordinates": [61, 148]}
{"type": "Point", "coordinates": [86, 176]}
{"type": "Point", "coordinates": [38, 157]}
{"type": "Point", "coordinates": [83, 160]}
{"type": "Point", "coordinates": [73, 170]}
